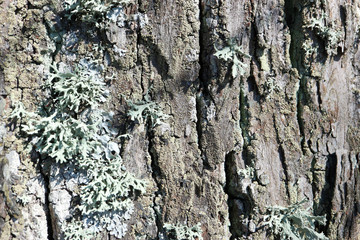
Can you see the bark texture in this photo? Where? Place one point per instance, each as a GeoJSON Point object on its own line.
{"type": "Point", "coordinates": [293, 116]}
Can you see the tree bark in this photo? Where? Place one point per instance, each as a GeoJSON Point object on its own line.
{"type": "Point", "coordinates": [293, 116]}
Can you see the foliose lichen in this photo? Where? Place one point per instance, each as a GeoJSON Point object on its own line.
{"type": "Point", "coordinates": [293, 222]}
{"type": "Point", "coordinates": [97, 12]}
{"type": "Point", "coordinates": [69, 127]}
{"type": "Point", "coordinates": [183, 232]}
{"type": "Point", "coordinates": [327, 31]}
{"type": "Point", "coordinates": [233, 53]}
{"type": "Point", "coordinates": [248, 172]}
{"type": "Point", "coordinates": [147, 110]}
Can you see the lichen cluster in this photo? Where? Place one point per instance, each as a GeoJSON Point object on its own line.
{"type": "Point", "coordinates": [69, 127]}
{"type": "Point", "coordinates": [325, 29]}
{"type": "Point", "coordinates": [234, 53]}
{"type": "Point", "coordinates": [293, 222]}
{"type": "Point", "coordinates": [183, 232]}
{"type": "Point", "coordinates": [97, 12]}
{"type": "Point", "coordinates": [146, 111]}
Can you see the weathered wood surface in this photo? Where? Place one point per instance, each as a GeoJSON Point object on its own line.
{"type": "Point", "coordinates": [293, 116]}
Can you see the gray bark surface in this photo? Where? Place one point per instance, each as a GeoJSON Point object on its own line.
{"type": "Point", "coordinates": [293, 116]}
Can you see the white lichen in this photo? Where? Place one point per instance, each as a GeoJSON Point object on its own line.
{"type": "Point", "coordinates": [293, 222]}
{"type": "Point", "coordinates": [235, 54]}
{"type": "Point", "coordinates": [70, 128]}
{"type": "Point", "coordinates": [183, 232]}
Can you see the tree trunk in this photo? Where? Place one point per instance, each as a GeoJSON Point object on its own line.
{"type": "Point", "coordinates": [233, 145]}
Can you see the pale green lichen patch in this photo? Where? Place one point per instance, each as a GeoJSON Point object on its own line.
{"type": "Point", "coordinates": [97, 12]}
{"type": "Point", "coordinates": [235, 54]}
{"type": "Point", "coordinates": [147, 110]}
{"type": "Point", "coordinates": [248, 172]}
{"type": "Point", "coordinates": [293, 222]}
{"type": "Point", "coordinates": [183, 232]}
{"type": "Point", "coordinates": [327, 32]}
{"type": "Point", "coordinates": [264, 60]}
{"type": "Point", "coordinates": [70, 128]}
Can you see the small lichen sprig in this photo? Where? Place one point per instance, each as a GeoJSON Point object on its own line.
{"type": "Point", "coordinates": [310, 51]}
{"type": "Point", "coordinates": [23, 199]}
{"type": "Point", "coordinates": [294, 222]}
{"type": "Point", "coordinates": [233, 53]}
{"type": "Point", "coordinates": [147, 110]}
{"type": "Point", "coordinates": [270, 87]}
{"type": "Point", "coordinates": [183, 232]}
{"type": "Point", "coordinates": [97, 12]}
{"type": "Point", "coordinates": [325, 31]}
{"type": "Point", "coordinates": [248, 172]}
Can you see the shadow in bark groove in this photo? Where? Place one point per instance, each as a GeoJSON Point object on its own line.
{"type": "Point", "coordinates": [156, 174]}
{"type": "Point", "coordinates": [282, 158]}
{"type": "Point", "coordinates": [156, 58]}
{"type": "Point", "coordinates": [327, 194]}
{"type": "Point", "coordinates": [47, 207]}
{"type": "Point", "coordinates": [240, 204]}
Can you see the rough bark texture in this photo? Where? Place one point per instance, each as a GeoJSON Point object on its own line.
{"type": "Point", "coordinates": [293, 116]}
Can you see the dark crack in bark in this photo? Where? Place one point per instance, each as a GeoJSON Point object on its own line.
{"type": "Point", "coordinates": [328, 193]}
{"type": "Point", "coordinates": [202, 92]}
{"type": "Point", "coordinates": [294, 23]}
{"type": "Point", "coordinates": [244, 126]}
{"type": "Point", "coordinates": [156, 173]}
{"type": "Point", "coordinates": [228, 177]}
{"type": "Point", "coordinates": [138, 60]}
{"type": "Point", "coordinates": [47, 207]}
{"type": "Point", "coordinates": [282, 158]}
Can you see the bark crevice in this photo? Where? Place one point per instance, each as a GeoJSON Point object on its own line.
{"type": "Point", "coordinates": [49, 219]}
{"type": "Point", "coordinates": [294, 23]}
{"type": "Point", "coordinates": [282, 158]}
{"type": "Point", "coordinates": [228, 177]}
{"type": "Point", "coordinates": [202, 92]}
{"type": "Point", "coordinates": [240, 201]}
{"type": "Point", "coordinates": [156, 173]}
{"type": "Point", "coordinates": [328, 193]}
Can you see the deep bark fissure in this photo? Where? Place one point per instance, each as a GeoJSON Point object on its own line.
{"type": "Point", "coordinates": [202, 91]}
{"type": "Point", "coordinates": [294, 23]}
{"type": "Point", "coordinates": [47, 206]}
{"type": "Point", "coordinates": [293, 19]}
{"type": "Point", "coordinates": [318, 93]}
{"type": "Point", "coordinates": [58, 45]}
{"type": "Point", "coordinates": [156, 172]}
{"type": "Point", "coordinates": [343, 18]}
{"type": "Point", "coordinates": [243, 101]}
{"type": "Point", "coordinates": [299, 114]}
{"type": "Point", "coordinates": [138, 59]}
{"type": "Point", "coordinates": [237, 227]}
{"type": "Point", "coordinates": [282, 158]}
{"type": "Point", "coordinates": [228, 158]}
{"type": "Point", "coordinates": [199, 130]}
{"type": "Point", "coordinates": [285, 167]}
{"type": "Point", "coordinates": [244, 126]}
{"type": "Point", "coordinates": [328, 193]}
